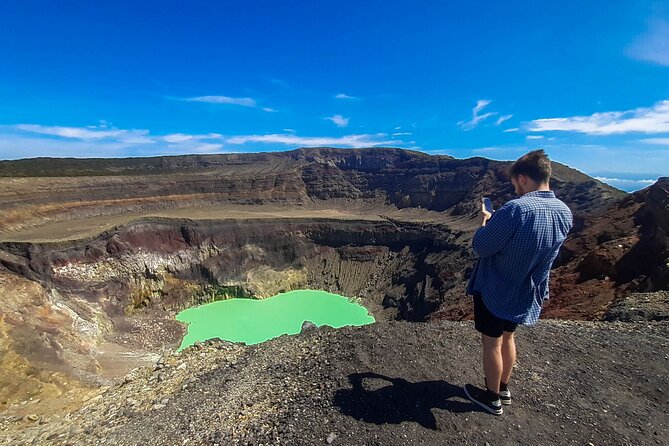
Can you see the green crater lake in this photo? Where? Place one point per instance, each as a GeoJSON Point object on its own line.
{"type": "Point", "coordinates": [253, 321]}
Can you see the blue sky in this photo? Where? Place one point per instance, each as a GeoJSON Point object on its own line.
{"type": "Point", "coordinates": [587, 81]}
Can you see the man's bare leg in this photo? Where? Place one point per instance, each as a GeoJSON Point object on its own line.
{"type": "Point", "coordinates": [489, 398]}
{"type": "Point", "coordinates": [492, 362]}
{"type": "Point", "coordinates": [508, 355]}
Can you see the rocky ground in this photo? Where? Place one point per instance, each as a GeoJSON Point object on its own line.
{"type": "Point", "coordinates": [600, 383]}
{"type": "Point", "coordinates": [640, 307]}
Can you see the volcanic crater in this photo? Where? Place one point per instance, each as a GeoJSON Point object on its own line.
{"type": "Point", "coordinates": [98, 255]}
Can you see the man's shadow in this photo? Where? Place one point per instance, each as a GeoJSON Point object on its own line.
{"type": "Point", "coordinates": [399, 401]}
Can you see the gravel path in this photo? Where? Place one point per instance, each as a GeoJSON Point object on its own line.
{"type": "Point", "coordinates": [390, 383]}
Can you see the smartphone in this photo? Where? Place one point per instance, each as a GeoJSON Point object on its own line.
{"type": "Point", "coordinates": [487, 205]}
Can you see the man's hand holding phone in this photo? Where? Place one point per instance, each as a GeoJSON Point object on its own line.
{"type": "Point", "coordinates": [486, 209]}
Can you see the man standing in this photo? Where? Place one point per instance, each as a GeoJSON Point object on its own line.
{"type": "Point", "coordinates": [516, 247]}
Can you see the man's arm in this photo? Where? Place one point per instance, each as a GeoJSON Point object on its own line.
{"type": "Point", "coordinates": [496, 233]}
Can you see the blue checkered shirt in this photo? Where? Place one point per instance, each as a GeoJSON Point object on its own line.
{"type": "Point", "coordinates": [516, 249]}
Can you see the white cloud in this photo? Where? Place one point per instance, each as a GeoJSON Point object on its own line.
{"type": "Point", "coordinates": [27, 146]}
{"type": "Point", "coordinates": [476, 118]}
{"type": "Point", "coordinates": [102, 124]}
{"type": "Point", "coordinates": [505, 152]}
{"type": "Point", "coordinates": [362, 140]}
{"type": "Point", "coordinates": [177, 137]}
{"type": "Point", "coordinates": [653, 45]}
{"type": "Point", "coordinates": [31, 140]}
{"type": "Point", "coordinates": [402, 133]}
{"type": "Point", "coordinates": [657, 141]}
{"type": "Point", "coordinates": [515, 129]}
{"type": "Point", "coordinates": [338, 120]}
{"type": "Point", "coordinates": [109, 135]}
{"type": "Point", "coordinates": [244, 102]}
{"type": "Point", "coordinates": [88, 133]}
{"type": "Point", "coordinates": [624, 180]}
{"type": "Point", "coordinates": [71, 132]}
{"type": "Point", "coordinates": [345, 96]}
{"type": "Point", "coordinates": [501, 119]}
{"type": "Point", "coordinates": [207, 148]}
{"type": "Point", "coordinates": [280, 83]}
{"type": "Point", "coordinates": [626, 184]}
{"type": "Point", "coordinates": [534, 137]}
{"type": "Point", "coordinates": [653, 119]}
{"type": "Point", "coordinates": [136, 139]}
{"type": "Point", "coordinates": [439, 151]}
{"type": "Point", "coordinates": [183, 137]}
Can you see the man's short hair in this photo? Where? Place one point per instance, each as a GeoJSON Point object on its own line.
{"type": "Point", "coordinates": [534, 165]}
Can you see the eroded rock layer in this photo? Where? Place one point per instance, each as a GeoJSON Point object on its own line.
{"type": "Point", "coordinates": [44, 191]}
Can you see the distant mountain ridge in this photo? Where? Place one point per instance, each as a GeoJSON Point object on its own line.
{"type": "Point", "coordinates": [394, 176]}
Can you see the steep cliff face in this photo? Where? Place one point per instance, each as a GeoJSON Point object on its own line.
{"type": "Point", "coordinates": [623, 250]}
{"type": "Point", "coordinates": [141, 264]}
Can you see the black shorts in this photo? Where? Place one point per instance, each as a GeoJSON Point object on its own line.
{"type": "Point", "coordinates": [487, 323]}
